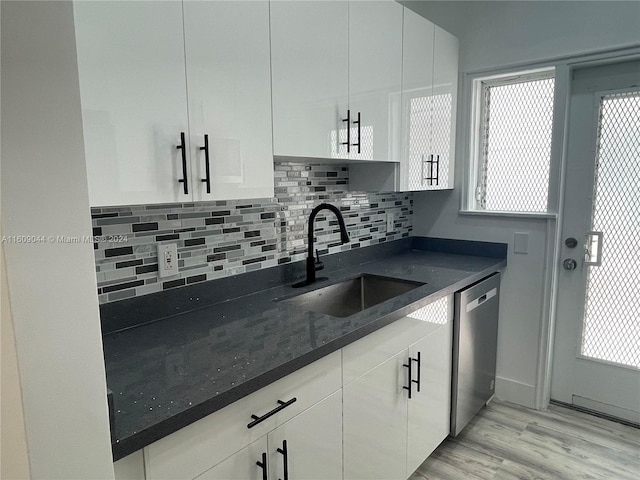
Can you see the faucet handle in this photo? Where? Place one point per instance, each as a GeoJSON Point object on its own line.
{"type": "Point", "coordinates": [319, 265]}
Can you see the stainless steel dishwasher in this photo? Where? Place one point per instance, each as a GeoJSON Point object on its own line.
{"type": "Point", "coordinates": [475, 341]}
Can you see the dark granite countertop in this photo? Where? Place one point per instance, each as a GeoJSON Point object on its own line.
{"type": "Point", "coordinates": [168, 373]}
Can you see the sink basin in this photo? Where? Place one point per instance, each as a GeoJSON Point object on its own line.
{"type": "Point", "coordinates": [352, 296]}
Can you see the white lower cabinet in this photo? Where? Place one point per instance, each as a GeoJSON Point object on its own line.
{"type": "Point", "coordinates": [375, 423]}
{"type": "Point", "coordinates": [313, 444]}
{"type": "Point", "coordinates": [242, 465]}
{"type": "Point", "coordinates": [398, 409]}
{"type": "Point", "coordinates": [130, 467]}
{"type": "Point", "coordinates": [429, 409]}
{"type": "Point", "coordinates": [307, 447]}
{"type": "Point", "coordinates": [390, 414]}
{"type": "Point", "coordinates": [198, 447]}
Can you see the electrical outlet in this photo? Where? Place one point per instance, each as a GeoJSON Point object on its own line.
{"type": "Point", "coordinates": [167, 259]}
{"type": "Point", "coordinates": [390, 220]}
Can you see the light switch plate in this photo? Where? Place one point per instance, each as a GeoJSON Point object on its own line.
{"type": "Point", "coordinates": [521, 242]}
{"type": "Point", "coordinates": [167, 259]}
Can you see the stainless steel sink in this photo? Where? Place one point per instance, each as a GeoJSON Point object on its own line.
{"type": "Point", "coordinates": [352, 296]}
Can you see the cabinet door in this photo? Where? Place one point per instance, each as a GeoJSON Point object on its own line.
{"type": "Point", "coordinates": [242, 465]}
{"type": "Point", "coordinates": [229, 81]}
{"type": "Point", "coordinates": [444, 104]}
{"type": "Point", "coordinates": [134, 105]}
{"type": "Point", "coordinates": [375, 423]}
{"type": "Point", "coordinates": [375, 77]}
{"type": "Point", "coordinates": [417, 92]}
{"type": "Point", "coordinates": [313, 443]}
{"type": "Point", "coordinates": [309, 58]}
{"type": "Point", "coordinates": [130, 467]}
{"type": "Point", "coordinates": [429, 408]}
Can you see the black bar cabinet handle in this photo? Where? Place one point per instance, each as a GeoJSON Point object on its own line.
{"type": "Point", "coordinates": [263, 465]}
{"type": "Point", "coordinates": [430, 161]}
{"type": "Point", "coordinates": [285, 459]}
{"type": "Point", "coordinates": [281, 406]}
{"type": "Point", "coordinates": [437, 168]}
{"type": "Point", "coordinates": [207, 178]}
{"type": "Point", "coordinates": [183, 147]}
{"type": "Point", "coordinates": [359, 133]}
{"type": "Point", "coordinates": [348, 142]}
{"type": "Point", "coordinates": [408, 365]}
{"type": "Point", "coordinates": [417, 382]}
{"type": "Point", "coordinates": [431, 176]}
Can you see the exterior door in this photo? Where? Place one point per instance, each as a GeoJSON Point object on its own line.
{"type": "Point", "coordinates": [597, 345]}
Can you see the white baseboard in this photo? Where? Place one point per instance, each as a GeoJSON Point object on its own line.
{"type": "Point", "coordinates": [516, 392]}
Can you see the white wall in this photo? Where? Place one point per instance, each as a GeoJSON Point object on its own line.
{"type": "Point", "coordinates": [51, 286]}
{"type": "Point", "coordinates": [14, 463]}
{"type": "Point", "coordinates": [506, 32]}
{"type": "Point", "coordinates": [497, 34]}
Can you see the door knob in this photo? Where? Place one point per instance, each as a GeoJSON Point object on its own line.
{"type": "Point", "coordinates": [569, 264]}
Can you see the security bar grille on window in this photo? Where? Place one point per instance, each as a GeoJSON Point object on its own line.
{"type": "Point", "coordinates": [515, 143]}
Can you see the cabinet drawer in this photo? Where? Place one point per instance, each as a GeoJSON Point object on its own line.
{"type": "Point", "coordinates": [377, 347]}
{"type": "Point", "coordinates": [203, 444]}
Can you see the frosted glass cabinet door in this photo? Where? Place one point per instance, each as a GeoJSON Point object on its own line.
{"type": "Point", "coordinates": [375, 77]}
{"type": "Point", "coordinates": [309, 58]}
{"type": "Point", "coordinates": [229, 80]}
{"type": "Point", "coordinates": [445, 95]}
{"type": "Point", "coordinates": [313, 443]}
{"type": "Point", "coordinates": [417, 91]}
{"type": "Point", "coordinates": [134, 105]}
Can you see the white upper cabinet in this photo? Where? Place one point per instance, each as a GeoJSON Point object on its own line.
{"type": "Point", "coordinates": [134, 103]}
{"type": "Point", "coordinates": [138, 104]}
{"type": "Point", "coordinates": [445, 101]}
{"type": "Point", "coordinates": [309, 58]}
{"type": "Point", "coordinates": [429, 91]}
{"type": "Point", "coordinates": [229, 82]}
{"type": "Point", "coordinates": [337, 70]}
{"type": "Point", "coordinates": [417, 92]}
{"type": "Point", "coordinates": [375, 77]}
{"type": "Point", "coordinates": [427, 111]}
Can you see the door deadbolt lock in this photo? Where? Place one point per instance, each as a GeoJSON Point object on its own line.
{"type": "Point", "coordinates": [571, 242]}
{"type": "Point", "coordinates": [569, 264]}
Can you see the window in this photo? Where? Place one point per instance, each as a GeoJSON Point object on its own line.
{"type": "Point", "coordinates": [512, 145]}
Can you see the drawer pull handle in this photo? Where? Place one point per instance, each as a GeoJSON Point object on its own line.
{"type": "Point", "coordinates": [285, 459]}
{"type": "Point", "coordinates": [281, 406]}
{"type": "Point", "coordinates": [263, 465]}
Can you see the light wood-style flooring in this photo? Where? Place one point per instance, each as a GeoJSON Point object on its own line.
{"type": "Point", "coordinates": [508, 442]}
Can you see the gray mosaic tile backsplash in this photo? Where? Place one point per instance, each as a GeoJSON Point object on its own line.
{"type": "Point", "coordinates": [221, 238]}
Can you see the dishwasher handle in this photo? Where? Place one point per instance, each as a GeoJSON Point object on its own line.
{"type": "Point", "coordinates": [472, 305]}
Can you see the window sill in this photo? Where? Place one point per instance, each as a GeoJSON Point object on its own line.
{"type": "Point", "coordinates": [490, 213]}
